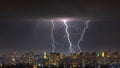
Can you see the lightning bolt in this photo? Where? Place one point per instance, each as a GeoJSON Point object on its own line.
{"type": "Point", "coordinates": [52, 36]}
{"type": "Point", "coordinates": [68, 37]}
{"type": "Point", "coordinates": [81, 38]}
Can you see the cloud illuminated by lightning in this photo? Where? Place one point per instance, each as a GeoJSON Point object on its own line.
{"type": "Point", "coordinates": [81, 38]}
{"type": "Point", "coordinates": [68, 37]}
{"type": "Point", "coordinates": [52, 36]}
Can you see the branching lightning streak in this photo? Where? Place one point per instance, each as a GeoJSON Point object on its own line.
{"type": "Point", "coordinates": [81, 38]}
{"type": "Point", "coordinates": [52, 37]}
{"type": "Point", "coordinates": [68, 37]}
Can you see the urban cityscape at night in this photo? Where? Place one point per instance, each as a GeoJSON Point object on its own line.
{"type": "Point", "coordinates": [60, 34]}
{"type": "Point", "coordinates": [102, 59]}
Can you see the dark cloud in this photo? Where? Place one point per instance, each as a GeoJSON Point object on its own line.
{"type": "Point", "coordinates": [20, 32]}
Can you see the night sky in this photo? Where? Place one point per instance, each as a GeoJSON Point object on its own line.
{"type": "Point", "coordinates": [20, 31]}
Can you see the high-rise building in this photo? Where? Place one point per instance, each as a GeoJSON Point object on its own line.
{"type": "Point", "coordinates": [45, 55]}
{"type": "Point", "coordinates": [103, 54]}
